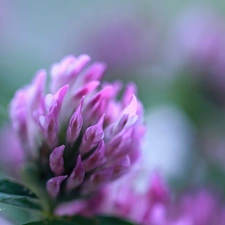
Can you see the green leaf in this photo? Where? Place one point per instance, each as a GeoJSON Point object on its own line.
{"type": "Point", "coordinates": [109, 220]}
{"type": "Point", "coordinates": [78, 220]}
{"type": "Point", "coordinates": [10, 187]}
{"type": "Point", "coordinates": [17, 195]}
{"type": "Point", "coordinates": [54, 222]}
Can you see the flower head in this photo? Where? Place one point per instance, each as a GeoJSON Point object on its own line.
{"type": "Point", "coordinates": [80, 135]}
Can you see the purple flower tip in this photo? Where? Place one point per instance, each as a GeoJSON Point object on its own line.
{"type": "Point", "coordinates": [53, 185]}
{"type": "Point", "coordinates": [56, 160]}
{"type": "Point", "coordinates": [92, 136]}
{"type": "Point", "coordinates": [75, 124]}
{"type": "Point", "coordinates": [96, 159]}
{"type": "Point", "coordinates": [77, 175]}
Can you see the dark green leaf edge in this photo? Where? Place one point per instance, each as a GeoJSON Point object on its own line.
{"type": "Point", "coordinates": [78, 220]}
{"type": "Point", "coordinates": [17, 195]}
{"type": "Point", "coordinates": [11, 187]}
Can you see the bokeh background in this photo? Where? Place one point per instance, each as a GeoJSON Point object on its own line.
{"type": "Point", "coordinates": [173, 50]}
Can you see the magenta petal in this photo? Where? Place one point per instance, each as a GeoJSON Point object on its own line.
{"type": "Point", "coordinates": [62, 66]}
{"type": "Point", "coordinates": [113, 145]}
{"type": "Point", "coordinates": [129, 91]}
{"type": "Point", "coordinates": [92, 136]}
{"type": "Point", "coordinates": [116, 127]}
{"type": "Point", "coordinates": [12, 155]}
{"type": "Point", "coordinates": [71, 208]}
{"type": "Point", "coordinates": [19, 113]}
{"type": "Point", "coordinates": [86, 89]}
{"type": "Point", "coordinates": [106, 93]}
{"type": "Point", "coordinates": [96, 159]}
{"type": "Point", "coordinates": [60, 73]}
{"type": "Point", "coordinates": [53, 185]}
{"type": "Point", "coordinates": [79, 63]}
{"type": "Point", "coordinates": [37, 90]}
{"type": "Point", "coordinates": [100, 178]}
{"type": "Point", "coordinates": [66, 71]}
{"type": "Point", "coordinates": [77, 175]}
{"type": "Point", "coordinates": [97, 106]}
{"type": "Point", "coordinates": [75, 124]}
{"type": "Point", "coordinates": [56, 99]}
{"type": "Point", "coordinates": [121, 124]}
{"type": "Point", "coordinates": [158, 191]}
{"type": "Point", "coordinates": [56, 160]}
{"type": "Point", "coordinates": [94, 72]}
{"type": "Point", "coordinates": [20, 124]}
{"type": "Point", "coordinates": [49, 124]}
{"type": "Point", "coordinates": [121, 167]}
{"type": "Point", "coordinates": [131, 108]}
{"type": "Point", "coordinates": [60, 94]}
